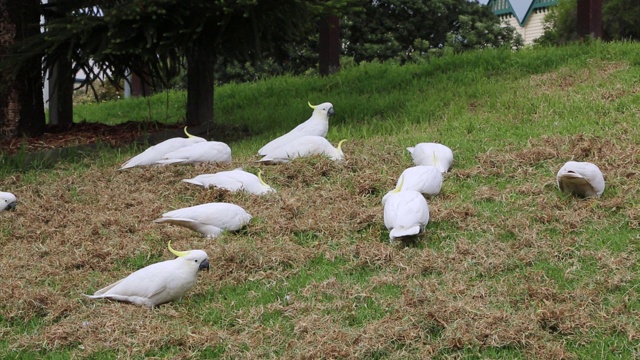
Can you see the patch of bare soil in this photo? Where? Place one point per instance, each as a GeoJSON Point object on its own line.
{"type": "Point", "coordinates": [89, 134]}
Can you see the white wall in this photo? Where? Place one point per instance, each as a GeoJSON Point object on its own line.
{"type": "Point", "coordinates": [532, 29]}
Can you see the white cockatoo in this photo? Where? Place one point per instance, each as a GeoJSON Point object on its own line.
{"type": "Point", "coordinates": [406, 212]}
{"type": "Point", "coordinates": [582, 179]}
{"type": "Point", "coordinates": [425, 179]}
{"type": "Point", "coordinates": [154, 153]}
{"type": "Point", "coordinates": [304, 146]}
{"type": "Point", "coordinates": [158, 283]}
{"type": "Point", "coordinates": [8, 201]}
{"type": "Point", "coordinates": [433, 154]}
{"type": "Point", "coordinates": [316, 125]}
{"type": "Point", "coordinates": [209, 219]}
{"type": "Point", "coordinates": [234, 180]}
{"type": "Point", "coordinates": [209, 151]}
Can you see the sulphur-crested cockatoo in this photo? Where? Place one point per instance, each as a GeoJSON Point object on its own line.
{"type": "Point", "coordinates": [158, 151]}
{"type": "Point", "coordinates": [210, 219]}
{"type": "Point", "coordinates": [406, 212]}
{"type": "Point", "coordinates": [433, 154]}
{"type": "Point", "coordinates": [582, 179]}
{"type": "Point", "coordinates": [158, 283]}
{"type": "Point", "coordinates": [234, 180]}
{"type": "Point", "coordinates": [209, 151]}
{"type": "Point", "coordinates": [316, 125]}
{"type": "Point", "coordinates": [8, 201]}
{"type": "Point", "coordinates": [304, 146]}
{"type": "Point", "coordinates": [425, 179]}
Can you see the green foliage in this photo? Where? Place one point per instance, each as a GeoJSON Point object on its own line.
{"type": "Point", "coordinates": [620, 21]}
{"type": "Point", "coordinates": [560, 24]}
{"type": "Point", "coordinates": [403, 29]}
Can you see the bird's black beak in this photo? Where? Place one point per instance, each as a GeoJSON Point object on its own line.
{"type": "Point", "coordinates": [330, 112]}
{"type": "Point", "coordinates": [12, 206]}
{"type": "Point", "coordinates": [204, 265]}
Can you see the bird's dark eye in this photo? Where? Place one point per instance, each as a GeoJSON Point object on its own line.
{"type": "Point", "coordinates": [196, 260]}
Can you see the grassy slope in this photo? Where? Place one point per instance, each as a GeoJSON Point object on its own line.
{"type": "Point", "coordinates": [508, 266]}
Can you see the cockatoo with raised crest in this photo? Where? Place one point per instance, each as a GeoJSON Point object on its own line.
{"type": "Point", "coordinates": [209, 219]}
{"type": "Point", "coordinates": [316, 125]}
{"type": "Point", "coordinates": [582, 179]}
{"type": "Point", "coordinates": [158, 283]}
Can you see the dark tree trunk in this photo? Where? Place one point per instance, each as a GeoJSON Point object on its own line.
{"type": "Point", "coordinates": [61, 94]}
{"type": "Point", "coordinates": [61, 79]}
{"type": "Point", "coordinates": [200, 70]}
{"type": "Point", "coordinates": [21, 104]}
{"type": "Point", "coordinates": [329, 54]}
{"type": "Point", "coordinates": [589, 16]}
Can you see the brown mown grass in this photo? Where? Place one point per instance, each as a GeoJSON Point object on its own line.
{"type": "Point", "coordinates": [507, 262]}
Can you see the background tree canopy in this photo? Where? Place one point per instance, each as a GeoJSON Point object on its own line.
{"type": "Point", "coordinates": [240, 40]}
{"type": "Point", "coordinates": [620, 21]}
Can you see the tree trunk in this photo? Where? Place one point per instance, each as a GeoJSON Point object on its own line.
{"type": "Point", "coordinates": [589, 18]}
{"type": "Point", "coordinates": [21, 104]}
{"type": "Point", "coordinates": [61, 79]}
{"type": "Point", "coordinates": [329, 54]}
{"type": "Point", "coordinates": [200, 70]}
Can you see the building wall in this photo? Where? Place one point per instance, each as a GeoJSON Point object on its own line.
{"type": "Point", "coordinates": [532, 29]}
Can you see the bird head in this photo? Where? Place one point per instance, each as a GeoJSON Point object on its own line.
{"type": "Point", "coordinates": [197, 258]}
{"type": "Point", "coordinates": [8, 201]}
{"type": "Point", "coordinates": [324, 109]}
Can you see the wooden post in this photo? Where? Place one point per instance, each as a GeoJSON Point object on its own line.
{"type": "Point", "coordinates": [329, 44]}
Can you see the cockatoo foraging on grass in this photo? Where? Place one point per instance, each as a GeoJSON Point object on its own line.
{"type": "Point", "coordinates": [234, 180]}
{"type": "Point", "coordinates": [154, 153]}
{"type": "Point", "coordinates": [406, 212]}
{"type": "Point", "coordinates": [8, 201]}
{"type": "Point", "coordinates": [433, 154]}
{"type": "Point", "coordinates": [210, 219]}
{"type": "Point", "coordinates": [304, 146]}
{"type": "Point", "coordinates": [425, 179]}
{"type": "Point", "coordinates": [209, 151]}
{"type": "Point", "coordinates": [158, 283]}
{"type": "Point", "coordinates": [582, 179]}
{"type": "Point", "coordinates": [316, 125]}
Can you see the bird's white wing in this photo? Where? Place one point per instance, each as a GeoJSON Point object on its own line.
{"type": "Point", "coordinates": [210, 151]}
{"type": "Point", "coordinates": [142, 286]}
{"type": "Point", "coordinates": [432, 154]}
{"type": "Point", "coordinates": [155, 153]}
{"type": "Point", "coordinates": [424, 179]}
{"type": "Point", "coordinates": [208, 218]}
{"type": "Point", "coordinates": [301, 147]}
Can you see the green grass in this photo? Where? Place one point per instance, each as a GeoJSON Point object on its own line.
{"type": "Point", "coordinates": [509, 267]}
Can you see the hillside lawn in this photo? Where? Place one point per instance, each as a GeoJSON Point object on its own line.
{"type": "Point", "coordinates": [508, 267]}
